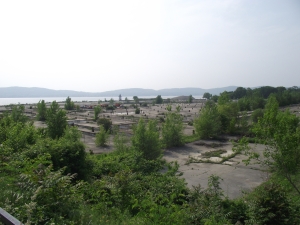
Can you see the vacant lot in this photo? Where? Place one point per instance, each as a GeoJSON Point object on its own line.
{"type": "Point", "coordinates": [236, 176]}
{"type": "Point", "coordinates": [192, 157]}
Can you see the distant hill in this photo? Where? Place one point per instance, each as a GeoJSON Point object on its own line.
{"type": "Point", "coordinates": [35, 92]}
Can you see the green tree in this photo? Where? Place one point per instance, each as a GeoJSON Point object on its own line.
{"type": "Point", "coordinates": [223, 98]}
{"type": "Point", "coordinates": [50, 197]}
{"type": "Point", "coordinates": [137, 111]}
{"type": "Point", "coordinates": [120, 142]}
{"type": "Point", "coordinates": [257, 102]}
{"type": "Point", "coordinates": [69, 153]}
{"type": "Point", "coordinates": [41, 110]}
{"type": "Point", "coordinates": [207, 95]}
{"type": "Point", "coordinates": [172, 130]}
{"type": "Point", "coordinates": [16, 135]}
{"type": "Point", "coordinates": [244, 104]}
{"type": "Point", "coordinates": [169, 108]}
{"type": "Point", "coordinates": [280, 133]}
{"type": "Point", "coordinates": [69, 104]}
{"type": "Point", "coordinates": [257, 114]}
{"type": "Point", "coordinates": [208, 123]}
{"type": "Point", "coordinates": [158, 99]}
{"type": "Point", "coordinates": [190, 100]}
{"type": "Point", "coordinates": [270, 205]}
{"type": "Point", "coordinates": [240, 92]}
{"type": "Point", "coordinates": [106, 123]}
{"type": "Point", "coordinates": [111, 101]}
{"type": "Point", "coordinates": [56, 121]}
{"type": "Point", "coordinates": [215, 98]}
{"type": "Point", "coordinates": [17, 114]}
{"type": "Point", "coordinates": [126, 100]}
{"type": "Point", "coordinates": [168, 100]}
{"type": "Point", "coordinates": [97, 111]}
{"type": "Point", "coordinates": [229, 114]}
{"type": "Point", "coordinates": [136, 99]}
{"type": "Point", "coordinates": [101, 137]}
{"type": "Point", "coordinates": [146, 140]}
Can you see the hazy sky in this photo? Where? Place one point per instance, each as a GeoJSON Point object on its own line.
{"type": "Point", "coordinates": [107, 45]}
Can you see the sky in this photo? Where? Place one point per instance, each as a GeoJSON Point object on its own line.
{"type": "Point", "coordinates": [99, 45]}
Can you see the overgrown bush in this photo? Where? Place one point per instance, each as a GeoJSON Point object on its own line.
{"type": "Point", "coordinates": [101, 137]}
{"type": "Point", "coordinates": [258, 113]}
{"type": "Point", "coordinates": [145, 139]}
{"type": "Point", "coordinates": [106, 123]}
{"type": "Point", "coordinates": [137, 111]}
{"type": "Point", "coordinates": [208, 124]}
{"type": "Point", "coordinates": [270, 205]}
{"type": "Point", "coordinates": [172, 130]}
{"type": "Point", "coordinates": [110, 107]}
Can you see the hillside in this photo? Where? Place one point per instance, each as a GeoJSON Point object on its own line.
{"type": "Point", "coordinates": [35, 92]}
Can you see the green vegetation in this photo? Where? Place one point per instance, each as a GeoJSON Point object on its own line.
{"type": "Point", "coordinates": [121, 142]}
{"type": "Point", "coordinates": [41, 111]}
{"type": "Point", "coordinates": [47, 177]}
{"type": "Point", "coordinates": [102, 137]}
{"type": "Point", "coordinates": [158, 99]}
{"type": "Point", "coordinates": [169, 108]}
{"type": "Point", "coordinates": [280, 132]}
{"type": "Point", "coordinates": [56, 121]}
{"type": "Point", "coordinates": [215, 153]}
{"type": "Point", "coordinates": [17, 114]}
{"type": "Point", "coordinates": [126, 100]}
{"type": "Point", "coordinates": [136, 99]}
{"type": "Point", "coordinates": [137, 111]}
{"type": "Point", "coordinates": [257, 113]}
{"type": "Point", "coordinates": [69, 104]}
{"type": "Point", "coordinates": [172, 130]}
{"type": "Point", "coordinates": [190, 100]}
{"type": "Point", "coordinates": [111, 101]}
{"type": "Point", "coordinates": [146, 140]}
{"type": "Point", "coordinates": [97, 111]}
{"type": "Point", "coordinates": [207, 95]}
{"type": "Point", "coordinates": [110, 107]}
{"type": "Point", "coordinates": [106, 123]}
{"type": "Point", "coordinates": [208, 124]}
{"type": "Point", "coordinates": [190, 138]}
{"type": "Point", "coordinates": [230, 115]}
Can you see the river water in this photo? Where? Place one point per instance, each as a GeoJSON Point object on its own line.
{"type": "Point", "coordinates": [8, 101]}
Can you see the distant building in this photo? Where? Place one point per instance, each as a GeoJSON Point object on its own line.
{"type": "Point", "coordinates": [120, 97]}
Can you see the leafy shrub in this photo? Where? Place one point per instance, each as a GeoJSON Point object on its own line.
{"type": "Point", "coordinates": [106, 123]}
{"type": "Point", "coordinates": [101, 137]}
{"type": "Point", "coordinates": [208, 124]}
{"type": "Point", "coordinates": [48, 197]}
{"type": "Point", "coordinates": [110, 107]}
{"type": "Point", "coordinates": [69, 153]}
{"type": "Point", "coordinates": [146, 140]}
{"type": "Point", "coordinates": [172, 130]}
{"type": "Point", "coordinates": [258, 113]}
{"type": "Point", "coordinates": [120, 142]}
{"type": "Point", "coordinates": [69, 104]}
{"type": "Point", "coordinates": [137, 111]}
{"type": "Point", "coordinates": [270, 205]}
